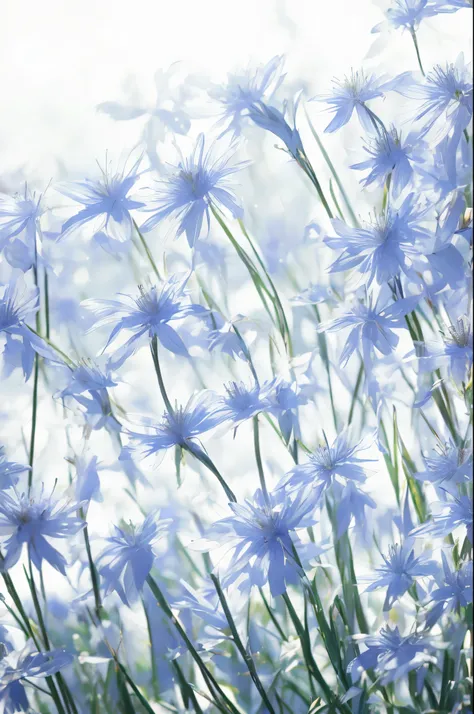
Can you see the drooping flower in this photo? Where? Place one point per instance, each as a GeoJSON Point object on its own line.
{"type": "Point", "coordinates": [9, 471]}
{"type": "Point", "coordinates": [284, 399]}
{"type": "Point", "coordinates": [372, 327]}
{"type": "Point", "coordinates": [391, 655]}
{"type": "Point", "coordinates": [25, 520]}
{"type": "Point", "coordinates": [353, 93]}
{"type": "Point", "coordinates": [390, 155]}
{"type": "Point", "coordinates": [26, 664]}
{"type": "Point", "coordinates": [182, 428]}
{"type": "Point", "coordinates": [400, 570]}
{"type": "Point", "coordinates": [107, 205]}
{"type": "Point", "coordinates": [260, 538]}
{"type": "Point", "coordinates": [407, 14]}
{"type": "Point", "coordinates": [273, 120]}
{"type": "Point", "coordinates": [191, 188]}
{"type": "Point", "coordinates": [149, 314]}
{"type": "Point", "coordinates": [125, 564]}
{"type": "Point", "coordinates": [381, 249]}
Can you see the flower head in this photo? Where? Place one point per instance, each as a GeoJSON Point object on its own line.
{"type": "Point", "coordinates": [125, 563]}
{"type": "Point", "coordinates": [449, 466]}
{"type": "Point", "coordinates": [9, 471]}
{"type": "Point", "coordinates": [17, 214]}
{"type": "Point", "coordinates": [107, 204]}
{"type": "Point", "coordinates": [407, 14]}
{"type": "Point", "coordinates": [390, 155]}
{"type": "Point", "coordinates": [401, 568]}
{"type": "Point", "coordinates": [446, 93]}
{"type": "Point", "coordinates": [454, 590]}
{"type": "Point", "coordinates": [198, 183]}
{"type": "Point", "coordinates": [353, 93]}
{"type": "Point", "coordinates": [148, 314]}
{"type": "Point", "coordinates": [182, 427]}
{"type": "Point", "coordinates": [245, 89]}
{"type": "Point", "coordinates": [372, 327]}
{"type": "Point", "coordinates": [27, 663]}
{"type": "Point", "coordinates": [452, 515]}
{"type": "Point", "coordinates": [260, 536]}
{"type": "Point", "coordinates": [242, 402]}
{"type": "Point", "coordinates": [391, 655]}
{"type": "Point", "coordinates": [33, 522]}
{"type": "Point", "coordinates": [381, 249]}
{"type": "Point", "coordinates": [455, 352]}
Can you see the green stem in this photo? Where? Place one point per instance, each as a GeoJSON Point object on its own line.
{"type": "Point", "coordinates": [161, 384]}
{"type": "Point", "coordinates": [240, 646]}
{"type": "Point", "coordinates": [147, 251]}
{"type": "Point", "coordinates": [33, 422]}
{"type": "Point", "coordinates": [417, 50]}
{"type": "Point", "coordinates": [93, 572]}
{"type": "Point", "coordinates": [258, 459]}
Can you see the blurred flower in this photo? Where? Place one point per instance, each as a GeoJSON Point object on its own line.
{"type": "Point", "coordinates": [245, 89]}
{"type": "Point", "coordinates": [197, 183]}
{"type": "Point", "coordinates": [125, 564]}
{"type": "Point", "coordinates": [273, 120]}
{"type": "Point", "coordinates": [30, 522]}
{"type": "Point", "coordinates": [284, 399]}
{"type": "Point", "coordinates": [449, 467]}
{"type": "Point", "coordinates": [9, 471]}
{"type": "Point", "coordinates": [106, 202]}
{"type": "Point", "coordinates": [353, 92]}
{"type": "Point", "coordinates": [18, 214]}
{"type": "Point", "coordinates": [455, 352]}
{"type": "Point", "coordinates": [454, 591]}
{"type": "Point", "coordinates": [391, 655]}
{"type": "Point", "coordinates": [242, 402]}
{"type": "Point", "coordinates": [16, 666]}
{"type": "Point", "coordinates": [451, 516]}
{"type": "Point", "coordinates": [407, 14]}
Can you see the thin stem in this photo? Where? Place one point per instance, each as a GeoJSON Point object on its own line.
{"type": "Point", "coordinates": [46, 303]}
{"type": "Point", "coordinates": [205, 459]}
{"type": "Point", "coordinates": [240, 646]}
{"type": "Point", "coordinates": [147, 251]}
{"type": "Point", "coordinates": [156, 362]}
{"type": "Point", "coordinates": [33, 422]}
{"type": "Point", "coordinates": [305, 164]}
{"type": "Point", "coordinates": [93, 571]}
{"type": "Point", "coordinates": [417, 50]}
{"type": "Point", "coordinates": [258, 459]}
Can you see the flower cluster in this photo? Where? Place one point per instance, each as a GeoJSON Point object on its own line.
{"type": "Point", "coordinates": [208, 445]}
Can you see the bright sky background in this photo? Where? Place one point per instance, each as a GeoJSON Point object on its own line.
{"type": "Point", "coordinates": [59, 59]}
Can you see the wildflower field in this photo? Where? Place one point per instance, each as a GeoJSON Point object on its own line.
{"type": "Point", "coordinates": [236, 395]}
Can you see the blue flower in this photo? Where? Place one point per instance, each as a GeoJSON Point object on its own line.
{"type": "Point", "coordinates": [150, 313]}
{"type": "Point", "coordinates": [273, 120]}
{"type": "Point", "coordinates": [225, 339]}
{"type": "Point", "coordinates": [452, 515]}
{"type": "Point", "coordinates": [455, 352]}
{"type": "Point", "coordinates": [407, 14]}
{"type": "Point", "coordinates": [260, 537]}
{"type": "Point", "coordinates": [197, 183]}
{"type": "Point", "coordinates": [341, 461]}
{"type": "Point", "coordinates": [246, 89]}
{"type": "Point", "coordinates": [87, 376]}
{"type": "Point", "coordinates": [454, 590]}
{"type": "Point", "coordinates": [392, 156]}
{"type": "Point", "coordinates": [372, 327]}
{"type": "Point", "coordinates": [18, 304]}
{"type": "Point", "coordinates": [351, 504]}
{"type": "Point", "coordinates": [450, 466]}
{"type": "Point", "coordinates": [9, 471]}
{"type": "Point", "coordinates": [284, 399]}
{"type": "Point", "coordinates": [353, 92]}
{"type": "Point", "coordinates": [16, 666]}
{"type": "Point", "coordinates": [87, 483]}
{"type": "Point", "coordinates": [107, 205]}
{"type": "Point", "coordinates": [391, 655]}
{"type": "Point", "coordinates": [381, 249]}
{"type": "Point", "coordinates": [180, 428]}
{"type": "Point", "coordinates": [18, 214]}
{"type": "Point", "coordinates": [30, 522]}
{"type": "Point", "coordinates": [125, 564]}
{"type": "Point", "coordinates": [205, 604]}
{"type": "Point", "coordinates": [401, 568]}
{"type": "Point", "coordinates": [446, 93]}
{"type": "Point", "coordinates": [242, 402]}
